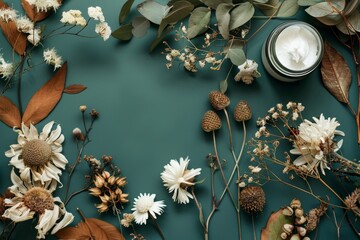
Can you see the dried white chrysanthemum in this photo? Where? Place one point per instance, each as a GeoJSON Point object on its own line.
{"type": "Point", "coordinates": [103, 29]}
{"type": "Point", "coordinates": [52, 58]}
{"type": "Point", "coordinates": [247, 72]}
{"type": "Point", "coordinates": [73, 17]}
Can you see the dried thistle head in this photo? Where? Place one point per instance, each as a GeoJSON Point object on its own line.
{"type": "Point", "coordinates": [242, 111]}
{"type": "Point", "coordinates": [352, 201]}
{"type": "Point", "coordinates": [252, 199]}
{"type": "Point", "coordinates": [218, 100]}
{"type": "Point", "coordinates": [211, 121]}
{"type": "Point", "coordinates": [313, 217]}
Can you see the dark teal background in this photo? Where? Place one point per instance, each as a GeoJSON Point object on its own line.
{"type": "Point", "coordinates": [149, 115]}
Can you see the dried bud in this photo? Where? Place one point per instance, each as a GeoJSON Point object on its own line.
{"type": "Point", "coordinates": [78, 134]}
{"type": "Point", "coordinates": [120, 182]}
{"type": "Point", "coordinates": [299, 212]}
{"type": "Point", "coordinates": [252, 199]}
{"type": "Point", "coordinates": [242, 111]}
{"type": "Point", "coordinates": [313, 217]}
{"type": "Point", "coordinates": [295, 203]}
{"type": "Point", "coordinates": [283, 235]}
{"type": "Point", "coordinates": [102, 207]}
{"type": "Point", "coordinates": [295, 237]}
{"type": "Point", "coordinates": [99, 181]}
{"type": "Point", "coordinates": [218, 100]}
{"type": "Point", "coordinates": [211, 121]}
{"type": "Point", "coordinates": [95, 191]}
{"type": "Point", "coordinates": [111, 180]}
{"type": "Point", "coordinates": [288, 228]}
{"type": "Point", "coordinates": [105, 174]}
{"type": "Point", "coordinates": [106, 159]}
{"type": "Point", "coordinates": [83, 108]}
{"type": "Point", "coordinates": [94, 114]}
{"type": "Point", "coordinates": [300, 220]}
{"type": "Point", "coordinates": [288, 211]}
{"type": "Point", "coordinates": [301, 231]}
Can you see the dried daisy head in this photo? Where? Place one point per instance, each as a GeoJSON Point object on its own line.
{"type": "Point", "coordinates": [109, 188]}
{"type": "Point", "coordinates": [252, 199]}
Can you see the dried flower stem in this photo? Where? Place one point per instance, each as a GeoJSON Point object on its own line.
{"type": "Point", "coordinates": [157, 226]}
{"type": "Point", "coordinates": [22, 62]}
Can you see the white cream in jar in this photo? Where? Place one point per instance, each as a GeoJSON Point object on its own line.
{"type": "Point", "coordinates": [292, 51]}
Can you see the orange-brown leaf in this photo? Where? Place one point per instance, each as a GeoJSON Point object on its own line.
{"type": "Point", "coordinates": [16, 39]}
{"type": "Point", "coordinates": [274, 226]}
{"type": "Point", "coordinates": [9, 113]}
{"type": "Point", "coordinates": [336, 74]}
{"type": "Point", "coordinates": [92, 228]}
{"type": "Point", "coordinates": [74, 89]}
{"type": "Point", "coordinates": [46, 98]}
{"type": "Point", "coordinates": [32, 13]}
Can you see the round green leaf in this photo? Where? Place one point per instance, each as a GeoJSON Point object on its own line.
{"type": "Point", "coordinates": [241, 14]}
{"type": "Point", "coordinates": [308, 2]}
{"type": "Point", "coordinates": [324, 8]}
{"type": "Point", "coordinates": [288, 8]}
{"type": "Point", "coordinates": [234, 51]}
{"type": "Point", "coordinates": [223, 18]}
{"type": "Point", "coordinates": [153, 11]}
{"type": "Point", "coordinates": [140, 26]}
{"type": "Point", "coordinates": [123, 33]}
{"type": "Point", "coordinates": [198, 21]}
{"type": "Point", "coordinates": [215, 3]}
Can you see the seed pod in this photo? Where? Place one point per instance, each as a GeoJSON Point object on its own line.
{"type": "Point", "coordinates": [295, 237]}
{"type": "Point", "coordinates": [301, 231]}
{"type": "Point", "coordinates": [218, 100]}
{"type": "Point", "coordinates": [252, 199]}
{"type": "Point", "coordinates": [288, 211]}
{"type": "Point", "coordinates": [211, 121]}
{"type": "Point", "coordinates": [300, 220]}
{"type": "Point", "coordinates": [242, 111]}
{"type": "Point", "coordinates": [295, 203]}
{"type": "Point", "coordinates": [283, 235]}
{"type": "Point", "coordinates": [299, 212]}
{"type": "Point", "coordinates": [288, 228]}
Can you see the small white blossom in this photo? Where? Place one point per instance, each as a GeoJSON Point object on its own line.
{"type": "Point", "coordinates": [6, 69]}
{"type": "Point", "coordinates": [24, 24]}
{"type": "Point", "coordinates": [34, 36]}
{"type": "Point", "coordinates": [174, 53]}
{"type": "Point", "coordinates": [7, 14]}
{"type": "Point", "coordinates": [242, 185]}
{"type": "Point", "coordinates": [44, 5]}
{"type": "Point", "coordinates": [168, 57]}
{"type": "Point", "coordinates": [96, 13]}
{"type": "Point", "coordinates": [295, 116]}
{"type": "Point", "coordinates": [247, 72]}
{"type": "Point", "coordinates": [145, 205]}
{"type": "Point", "coordinates": [73, 17]}
{"type": "Point", "coordinates": [275, 115]}
{"type": "Point", "coordinates": [183, 29]}
{"type": "Point", "coordinates": [250, 180]}
{"type": "Point", "coordinates": [103, 29]}
{"type": "Point", "coordinates": [202, 63]}
{"type": "Point", "coordinates": [52, 58]}
{"type": "Point", "coordinates": [255, 169]}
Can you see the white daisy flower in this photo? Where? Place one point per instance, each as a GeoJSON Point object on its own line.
{"type": "Point", "coordinates": [73, 17]}
{"type": "Point", "coordinates": [35, 200]}
{"type": "Point", "coordinates": [7, 14]}
{"type": "Point", "coordinates": [24, 24]}
{"type": "Point", "coordinates": [52, 58]}
{"type": "Point", "coordinates": [177, 178]}
{"type": "Point", "coordinates": [315, 142]}
{"type": "Point", "coordinates": [34, 36]}
{"type": "Point", "coordinates": [44, 5]}
{"type": "Point", "coordinates": [96, 13]}
{"type": "Point", "coordinates": [6, 69]}
{"type": "Point", "coordinates": [38, 156]}
{"type": "Point", "coordinates": [145, 204]}
{"type": "Point", "coordinates": [247, 72]}
{"type": "Point", "coordinates": [103, 29]}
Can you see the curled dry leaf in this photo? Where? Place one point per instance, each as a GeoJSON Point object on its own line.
{"type": "Point", "coordinates": [336, 74]}
{"type": "Point", "coordinates": [92, 228]}
{"type": "Point", "coordinates": [274, 226]}
{"type": "Point", "coordinates": [9, 113]}
{"type": "Point", "coordinates": [46, 98]}
{"type": "Point", "coordinates": [16, 39]}
{"type": "Point", "coordinates": [75, 89]}
{"type": "Point", "coordinates": [32, 13]}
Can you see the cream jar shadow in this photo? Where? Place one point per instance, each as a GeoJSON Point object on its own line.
{"type": "Point", "coordinates": [292, 51]}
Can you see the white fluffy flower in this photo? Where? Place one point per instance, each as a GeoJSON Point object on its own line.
{"type": "Point", "coordinates": [103, 29]}
{"type": "Point", "coordinates": [52, 58]}
{"type": "Point", "coordinates": [315, 142]}
{"type": "Point", "coordinates": [36, 200]}
{"type": "Point", "coordinates": [96, 13]}
{"type": "Point", "coordinates": [34, 36]}
{"type": "Point", "coordinates": [7, 14]}
{"type": "Point", "coordinates": [145, 205]}
{"type": "Point", "coordinates": [177, 178]}
{"type": "Point", "coordinates": [24, 24]}
{"type": "Point", "coordinates": [6, 69]}
{"type": "Point", "coordinates": [44, 5]}
{"type": "Point", "coordinates": [73, 17]}
{"type": "Point", "coordinates": [38, 156]}
{"type": "Point", "coordinates": [247, 72]}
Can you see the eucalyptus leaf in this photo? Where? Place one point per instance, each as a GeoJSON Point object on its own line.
{"type": "Point", "coordinates": [159, 39]}
{"type": "Point", "coordinates": [215, 3]}
{"type": "Point", "coordinates": [305, 3]}
{"type": "Point", "coordinates": [123, 33]}
{"type": "Point", "coordinates": [288, 8]}
{"type": "Point", "coordinates": [241, 14]}
{"type": "Point", "coordinates": [223, 86]}
{"type": "Point", "coordinates": [140, 26]}
{"type": "Point", "coordinates": [235, 52]}
{"type": "Point", "coordinates": [325, 8]}
{"type": "Point", "coordinates": [268, 8]}
{"type": "Point", "coordinates": [198, 21]}
{"type": "Point", "coordinates": [153, 11]}
{"type": "Point", "coordinates": [193, 2]}
{"type": "Point", "coordinates": [351, 6]}
{"type": "Point", "coordinates": [352, 25]}
{"type": "Point", "coordinates": [223, 18]}
{"type": "Point", "coordinates": [331, 19]}
{"type": "Point", "coordinates": [261, 1]}
{"type": "Point", "coordinates": [125, 9]}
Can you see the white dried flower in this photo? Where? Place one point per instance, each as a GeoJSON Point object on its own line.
{"type": "Point", "coordinates": [34, 36]}
{"type": "Point", "coordinates": [103, 29]}
{"type": "Point", "coordinates": [255, 169]}
{"type": "Point", "coordinates": [24, 24]}
{"type": "Point", "coordinates": [247, 72]}
{"type": "Point", "coordinates": [184, 30]}
{"type": "Point", "coordinates": [6, 69]}
{"type": "Point", "coordinates": [96, 13]}
{"type": "Point", "coordinates": [242, 184]}
{"type": "Point", "coordinates": [7, 14]}
{"type": "Point", "coordinates": [145, 205]}
{"type": "Point", "coordinates": [44, 5]}
{"type": "Point", "coordinates": [52, 58]}
{"type": "Point", "coordinates": [174, 53]}
{"type": "Point", "coordinates": [73, 17]}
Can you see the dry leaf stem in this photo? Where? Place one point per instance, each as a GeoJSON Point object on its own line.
{"type": "Point", "coordinates": [22, 62]}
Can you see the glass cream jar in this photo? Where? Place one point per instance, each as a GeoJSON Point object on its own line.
{"type": "Point", "coordinates": [292, 51]}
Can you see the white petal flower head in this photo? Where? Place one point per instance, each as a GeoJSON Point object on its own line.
{"type": "Point", "coordinates": [145, 205]}
{"type": "Point", "coordinates": [247, 72]}
{"type": "Point", "coordinates": [6, 69]}
{"type": "Point", "coordinates": [24, 24]}
{"type": "Point", "coordinates": [96, 13]}
{"type": "Point", "coordinates": [103, 29]}
{"type": "Point", "coordinates": [38, 156]}
{"type": "Point", "coordinates": [315, 142]}
{"type": "Point", "coordinates": [73, 17]}
{"type": "Point", "coordinates": [44, 5]}
{"type": "Point", "coordinates": [52, 58]}
{"type": "Point", "coordinates": [7, 14]}
{"type": "Point", "coordinates": [34, 36]}
{"type": "Point", "coordinates": [177, 178]}
{"type": "Point", "coordinates": [34, 199]}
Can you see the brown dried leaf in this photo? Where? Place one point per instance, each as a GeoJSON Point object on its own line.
{"type": "Point", "coordinates": [336, 74]}
{"type": "Point", "coordinates": [16, 39]}
{"type": "Point", "coordinates": [92, 228]}
{"type": "Point", "coordinates": [9, 113]}
{"type": "Point", "coordinates": [33, 14]}
{"type": "Point", "coordinates": [46, 98]}
{"type": "Point", "coordinates": [75, 89]}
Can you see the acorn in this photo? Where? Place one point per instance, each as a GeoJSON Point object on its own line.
{"type": "Point", "coordinates": [252, 199]}
{"type": "Point", "coordinates": [242, 111]}
{"type": "Point", "coordinates": [211, 121]}
{"type": "Point", "coordinates": [218, 100]}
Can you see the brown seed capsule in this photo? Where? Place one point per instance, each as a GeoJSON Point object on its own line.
{"type": "Point", "coordinates": [218, 100]}
{"type": "Point", "coordinates": [295, 237]}
{"type": "Point", "coordinates": [252, 199]}
{"type": "Point", "coordinates": [211, 121]}
{"type": "Point", "coordinates": [288, 211]}
{"type": "Point", "coordinates": [288, 228]}
{"type": "Point", "coordinates": [299, 212]}
{"type": "Point", "coordinates": [295, 203]}
{"type": "Point", "coordinates": [242, 111]}
{"type": "Point", "coordinates": [283, 235]}
{"type": "Point", "coordinates": [300, 220]}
